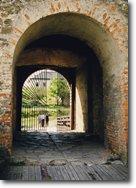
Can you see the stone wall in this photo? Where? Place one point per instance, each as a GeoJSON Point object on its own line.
{"type": "Point", "coordinates": [102, 24]}
{"type": "Point", "coordinates": [81, 121]}
{"type": "Point", "coordinates": [116, 101]}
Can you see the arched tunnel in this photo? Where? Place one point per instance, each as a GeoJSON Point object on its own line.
{"type": "Point", "coordinates": [79, 65]}
{"type": "Point", "coordinates": [87, 48]}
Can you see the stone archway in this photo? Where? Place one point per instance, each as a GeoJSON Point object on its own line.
{"type": "Point", "coordinates": [72, 58]}
{"type": "Point", "coordinates": [104, 28]}
{"type": "Point", "coordinates": [46, 100]}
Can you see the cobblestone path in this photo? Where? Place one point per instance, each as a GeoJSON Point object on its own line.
{"type": "Point", "coordinates": [61, 156]}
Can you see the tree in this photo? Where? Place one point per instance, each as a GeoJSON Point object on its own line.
{"type": "Point", "coordinates": [33, 96]}
{"type": "Point", "coordinates": [59, 89]}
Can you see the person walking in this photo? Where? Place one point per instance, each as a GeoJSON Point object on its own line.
{"type": "Point", "coordinates": [41, 119]}
{"type": "Point", "coordinates": [47, 119]}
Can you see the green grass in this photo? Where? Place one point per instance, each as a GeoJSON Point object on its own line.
{"type": "Point", "coordinates": [52, 110]}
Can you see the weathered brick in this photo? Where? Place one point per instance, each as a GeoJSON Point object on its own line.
{"type": "Point", "coordinates": [101, 24]}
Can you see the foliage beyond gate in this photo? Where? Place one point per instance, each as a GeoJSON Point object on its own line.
{"type": "Point", "coordinates": [45, 96]}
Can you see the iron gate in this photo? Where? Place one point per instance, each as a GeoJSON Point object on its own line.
{"type": "Point", "coordinates": [45, 102]}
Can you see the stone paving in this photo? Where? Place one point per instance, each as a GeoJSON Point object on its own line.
{"type": "Point", "coordinates": [63, 156]}
{"type": "Point", "coordinates": [48, 148]}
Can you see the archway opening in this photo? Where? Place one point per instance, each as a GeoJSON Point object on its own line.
{"type": "Point", "coordinates": [73, 59]}
{"type": "Point", "coordinates": [82, 45]}
{"type": "Point", "coordinates": [79, 48]}
{"type": "Point", "coordinates": [87, 44]}
{"type": "Point", "coordinates": [46, 102]}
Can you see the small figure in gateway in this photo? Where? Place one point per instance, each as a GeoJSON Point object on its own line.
{"type": "Point", "coordinates": [47, 119]}
{"type": "Point", "coordinates": [41, 119]}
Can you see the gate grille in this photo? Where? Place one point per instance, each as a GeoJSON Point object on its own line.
{"type": "Point", "coordinates": [45, 102]}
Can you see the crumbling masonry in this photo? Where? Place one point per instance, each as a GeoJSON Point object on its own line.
{"type": "Point", "coordinates": [101, 99]}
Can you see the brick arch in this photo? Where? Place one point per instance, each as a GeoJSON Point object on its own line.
{"type": "Point", "coordinates": [106, 15]}
{"type": "Point", "coordinates": [104, 28]}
